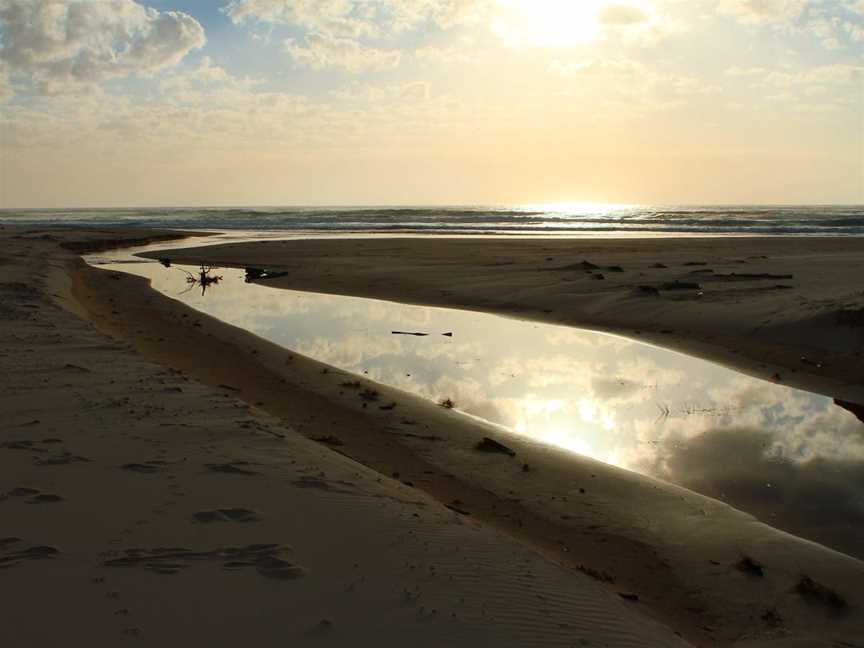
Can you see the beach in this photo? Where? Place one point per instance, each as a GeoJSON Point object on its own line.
{"type": "Point", "coordinates": [179, 480]}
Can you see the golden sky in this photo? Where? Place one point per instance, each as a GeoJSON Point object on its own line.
{"type": "Point", "coordinates": [287, 102]}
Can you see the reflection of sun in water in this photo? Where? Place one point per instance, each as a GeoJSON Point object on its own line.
{"type": "Point", "coordinates": [550, 23]}
{"type": "Point", "coordinates": [536, 421]}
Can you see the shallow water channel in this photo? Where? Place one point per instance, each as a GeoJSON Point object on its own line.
{"type": "Point", "coordinates": [792, 458]}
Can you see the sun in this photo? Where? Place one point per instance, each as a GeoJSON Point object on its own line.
{"type": "Point", "coordinates": [549, 23]}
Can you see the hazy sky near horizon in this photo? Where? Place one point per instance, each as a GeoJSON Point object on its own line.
{"type": "Point", "coordinates": [268, 102]}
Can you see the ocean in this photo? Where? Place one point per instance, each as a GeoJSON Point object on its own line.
{"type": "Point", "coordinates": [561, 220]}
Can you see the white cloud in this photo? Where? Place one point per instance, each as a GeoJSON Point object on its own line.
{"type": "Point", "coordinates": [334, 31]}
{"type": "Point", "coordinates": [67, 44]}
{"type": "Point", "coordinates": [835, 24]}
{"type": "Point", "coordinates": [335, 17]}
{"type": "Point", "coordinates": [837, 76]}
{"type": "Point", "coordinates": [356, 18]}
{"type": "Point", "coordinates": [616, 15]}
{"type": "Point", "coordinates": [633, 78]}
{"type": "Point", "coordinates": [209, 84]}
{"type": "Point", "coordinates": [6, 91]}
{"type": "Point", "coordinates": [322, 51]}
{"type": "Point", "coordinates": [760, 12]}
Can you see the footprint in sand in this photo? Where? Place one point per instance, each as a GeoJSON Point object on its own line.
{"type": "Point", "coordinates": [45, 498]}
{"type": "Point", "coordinates": [60, 459]}
{"type": "Point", "coordinates": [22, 444]}
{"type": "Point", "coordinates": [10, 558]}
{"type": "Point", "coordinates": [267, 559]}
{"type": "Point", "coordinates": [232, 468]}
{"type": "Point", "coordinates": [227, 515]}
{"type": "Point", "coordinates": [21, 491]}
{"type": "Point", "coordinates": [145, 468]}
{"type": "Point", "coordinates": [34, 495]}
{"type": "Point", "coordinates": [335, 486]}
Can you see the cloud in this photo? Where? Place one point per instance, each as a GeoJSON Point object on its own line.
{"type": "Point", "coordinates": [836, 76]}
{"type": "Point", "coordinates": [205, 73]}
{"type": "Point", "coordinates": [357, 18]}
{"type": "Point", "coordinates": [618, 15]}
{"type": "Point", "coordinates": [62, 45]}
{"type": "Point", "coordinates": [836, 25]}
{"type": "Point", "coordinates": [855, 31]}
{"type": "Point", "coordinates": [641, 86]}
{"type": "Point", "coordinates": [761, 12]}
{"type": "Point", "coordinates": [6, 91]}
{"type": "Point", "coordinates": [410, 92]}
{"type": "Point", "coordinates": [323, 51]}
{"type": "Point", "coordinates": [453, 55]}
{"type": "Point", "coordinates": [819, 499]}
{"type": "Point", "coordinates": [336, 32]}
{"type": "Point", "coordinates": [333, 17]}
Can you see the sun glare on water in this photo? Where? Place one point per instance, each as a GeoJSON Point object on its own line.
{"type": "Point", "coordinates": [550, 23]}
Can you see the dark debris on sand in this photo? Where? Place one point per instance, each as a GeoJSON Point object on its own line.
{"type": "Point", "coordinates": [267, 559]}
{"type": "Point", "coordinates": [818, 593]}
{"type": "Point", "coordinates": [491, 445]}
{"type": "Point", "coordinates": [750, 567]}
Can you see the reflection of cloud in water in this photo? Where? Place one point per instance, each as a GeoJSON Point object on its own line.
{"type": "Point", "coordinates": [352, 351]}
{"type": "Point", "coordinates": [616, 389]}
{"type": "Point", "coordinates": [348, 308]}
{"type": "Point", "coordinates": [821, 499]}
{"type": "Point", "coordinates": [575, 338]}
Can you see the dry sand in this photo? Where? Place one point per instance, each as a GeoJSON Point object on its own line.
{"type": "Point", "coordinates": [193, 510]}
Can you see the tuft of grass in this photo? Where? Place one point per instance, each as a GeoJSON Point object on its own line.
{"type": "Point", "coordinates": [447, 403]}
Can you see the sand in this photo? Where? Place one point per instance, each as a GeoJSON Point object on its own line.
{"type": "Point", "coordinates": [194, 508]}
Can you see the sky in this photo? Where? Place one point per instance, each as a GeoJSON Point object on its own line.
{"type": "Point", "coordinates": [417, 102]}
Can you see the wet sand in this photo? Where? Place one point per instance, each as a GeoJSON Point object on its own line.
{"type": "Point", "coordinates": [160, 484]}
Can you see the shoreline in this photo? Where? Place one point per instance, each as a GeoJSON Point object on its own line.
{"type": "Point", "coordinates": [646, 560]}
